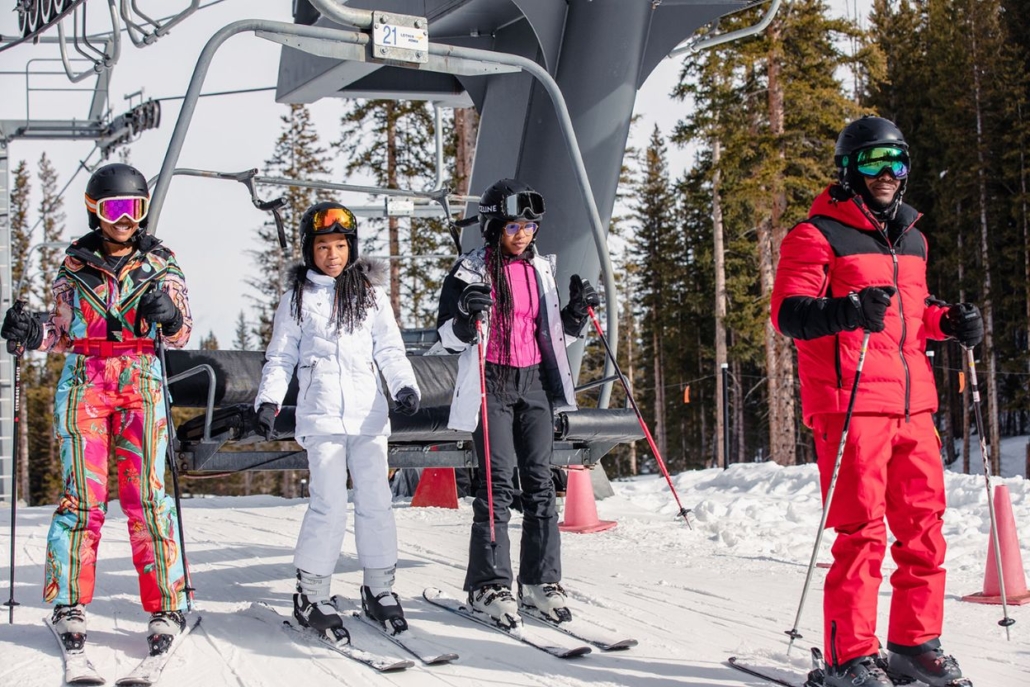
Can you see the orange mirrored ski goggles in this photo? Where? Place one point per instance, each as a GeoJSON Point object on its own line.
{"type": "Point", "coordinates": [334, 219]}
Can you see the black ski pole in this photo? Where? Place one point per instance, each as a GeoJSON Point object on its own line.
{"type": "Point", "coordinates": [1006, 621]}
{"type": "Point", "coordinates": [793, 632]}
{"type": "Point", "coordinates": [169, 425]}
{"type": "Point", "coordinates": [640, 418]}
{"type": "Point", "coordinates": [16, 352]}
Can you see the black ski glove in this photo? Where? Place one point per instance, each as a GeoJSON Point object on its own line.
{"type": "Point", "coordinates": [406, 401]}
{"type": "Point", "coordinates": [22, 327]}
{"type": "Point", "coordinates": [158, 307]}
{"type": "Point", "coordinates": [964, 323]}
{"type": "Point", "coordinates": [266, 420]}
{"type": "Point", "coordinates": [473, 303]}
{"type": "Point", "coordinates": [865, 309]}
{"type": "Point", "coordinates": [574, 315]}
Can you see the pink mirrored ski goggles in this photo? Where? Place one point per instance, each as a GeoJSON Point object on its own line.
{"type": "Point", "coordinates": [113, 209]}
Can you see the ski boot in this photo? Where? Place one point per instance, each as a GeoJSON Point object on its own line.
{"type": "Point", "coordinates": [162, 630]}
{"type": "Point", "coordinates": [70, 623]}
{"type": "Point", "coordinates": [497, 602]}
{"type": "Point", "coordinates": [548, 599]}
{"type": "Point", "coordinates": [926, 663]}
{"type": "Point", "coordinates": [313, 609]}
{"type": "Point", "coordinates": [384, 608]}
{"type": "Point", "coordinates": [864, 670]}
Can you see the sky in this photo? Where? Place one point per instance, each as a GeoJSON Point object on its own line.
{"type": "Point", "coordinates": [210, 224]}
{"type": "Point", "coordinates": [730, 585]}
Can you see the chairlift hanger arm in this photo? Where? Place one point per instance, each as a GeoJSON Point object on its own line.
{"type": "Point", "coordinates": [707, 41]}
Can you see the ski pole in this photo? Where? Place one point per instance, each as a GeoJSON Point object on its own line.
{"type": "Point", "coordinates": [16, 351]}
{"type": "Point", "coordinates": [160, 345]}
{"type": "Point", "coordinates": [481, 346]}
{"type": "Point", "coordinates": [1006, 621]}
{"type": "Point", "coordinates": [793, 632]}
{"type": "Point", "coordinates": [640, 418]}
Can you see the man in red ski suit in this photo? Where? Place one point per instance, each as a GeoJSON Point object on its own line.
{"type": "Point", "coordinates": [858, 263]}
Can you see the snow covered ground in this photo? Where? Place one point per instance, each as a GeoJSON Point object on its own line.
{"type": "Point", "coordinates": [692, 597]}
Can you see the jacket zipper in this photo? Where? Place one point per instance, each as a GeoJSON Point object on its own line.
{"type": "Point", "coordinates": [836, 361]}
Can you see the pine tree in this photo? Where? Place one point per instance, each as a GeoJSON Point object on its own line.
{"type": "Point", "coordinates": [297, 155]}
{"type": "Point", "coordinates": [392, 141]}
{"type": "Point", "coordinates": [209, 342]}
{"type": "Point", "coordinates": [21, 241]}
{"type": "Point", "coordinates": [242, 340]}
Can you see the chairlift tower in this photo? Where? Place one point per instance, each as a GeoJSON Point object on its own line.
{"type": "Point", "coordinates": [598, 52]}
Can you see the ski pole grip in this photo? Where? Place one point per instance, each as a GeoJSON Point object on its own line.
{"type": "Point", "coordinates": [13, 347]}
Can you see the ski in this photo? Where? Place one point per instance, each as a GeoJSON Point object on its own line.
{"type": "Point", "coordinates": [521, 633]}
{"type": "Point", "coordinates": [78, 670]}
{"type": "Point", "coordinates": [768, 677]}
{"type": "Point", "coordinates": [149, 669]}
{"type": "Point", "coordinates": [580, 631]}
{"type": "Point", "coordinates": [411, 640]}
{"type": "Point", "coordinates": [382, 664]}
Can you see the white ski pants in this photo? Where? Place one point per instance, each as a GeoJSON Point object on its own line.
{"type": "Point", "coordinates": [325, 522]}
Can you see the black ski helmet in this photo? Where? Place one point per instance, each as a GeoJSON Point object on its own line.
{"type": "Point", "coordinates": [111, 181]}
{"type": "Point", "coordinates": [507, 200]}
{"type": "Point", "coordinates": [867, 132]}
{"type": "Point", "coordinates": [308, 232]}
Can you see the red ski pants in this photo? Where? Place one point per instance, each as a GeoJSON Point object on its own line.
{"type": "Point", "coordinates": [891, 467]}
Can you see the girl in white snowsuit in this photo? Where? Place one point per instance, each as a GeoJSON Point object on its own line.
{"type": "Point", "coordinates": [528, 377]}
{"type": "Point", "coordinates": [336, 327]}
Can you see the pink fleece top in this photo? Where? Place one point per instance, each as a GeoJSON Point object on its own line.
{"type": "Point", "coordinates": [525, 351]}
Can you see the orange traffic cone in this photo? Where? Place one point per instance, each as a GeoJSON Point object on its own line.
{"type": "Point", "coordinates": [580, 508]}
{"type": "Point", "coordinates": [436, 489]}
{"type": "Point", "coordinates": [1011, 558]}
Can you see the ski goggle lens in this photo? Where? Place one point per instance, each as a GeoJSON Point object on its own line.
{"type": "Point", "coordinates": [527, 204]}
{"type": "Point", "coordinates": [325, 221]}
{"type": "Point", "coordinates": [512, 228]}
{"type": "Point", "coordinates": [113, 209]}
{"type": "Point", "coordinates": [873, 162]}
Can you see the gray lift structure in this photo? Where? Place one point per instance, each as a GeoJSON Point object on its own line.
{"type": "Point", "coordinates": [554, 82]}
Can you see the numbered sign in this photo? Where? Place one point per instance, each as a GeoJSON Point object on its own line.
{"type": "Point", "coordinates": [400, 37]}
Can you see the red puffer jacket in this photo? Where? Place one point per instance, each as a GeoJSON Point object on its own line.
{"type": "Point", "coordinates": [842, 248]}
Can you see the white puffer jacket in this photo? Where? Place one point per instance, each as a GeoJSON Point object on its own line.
{"type": "Point", "coordinates": [338, 372]}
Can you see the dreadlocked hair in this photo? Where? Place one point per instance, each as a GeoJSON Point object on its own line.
{"type": "Point", "coordinates": [353, 295]}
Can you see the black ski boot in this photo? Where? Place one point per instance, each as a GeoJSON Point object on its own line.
{"type": "Point", "coordinates": [162, 630]}
{"type": "Point", "coordinates": [313, 609]}
{"type": "Point", "coordinates": [926, 663]}
{"type": "Point", "coordinates": [384, 608]}
{"type": "Point", "coordinates": [864, 671]}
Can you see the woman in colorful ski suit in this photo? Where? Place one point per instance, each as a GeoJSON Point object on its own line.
{"type": "Point", "coordinates": [117, 290]}
{"type": "Point", "coordinates": [336, 328]}
{"type": "Point", "coordinates": [859, 263]}
{"type": "Point", "coordinates": [528, 377]}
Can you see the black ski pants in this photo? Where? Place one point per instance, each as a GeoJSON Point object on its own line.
{"type": "Point", "coordinates": [520, 416]}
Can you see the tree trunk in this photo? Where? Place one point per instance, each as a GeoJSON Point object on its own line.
{"type": "Point", "coordinates": [466, 123]}
{"type": "Point", "coordinates": [720, 303]}
{"type": "Point", "coordinates": [738, 413]}
{"type": "Point", "coordinates": [630, 367]}
{"type": "Point", "coordinates": [1025, 218]}
{"type": "Point", "coordinates": [988, 305]}
{"type": "Point", "coordinates": [659, 393]}
{"type": "Point", "coordinates": [966, 399]}
{"type": "Point", "coordinates": [392, 222]}
{"type": "Point", "coordinates": [778, 351]}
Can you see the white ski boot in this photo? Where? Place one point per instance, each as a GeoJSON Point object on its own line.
{"type": "Point", "coordinates": [378, 600]}
{"type": "Point", "coordinates": [70, 623]}
{"type": "Point", "coordinates": [313, 609]}
{"type": "Point", "coordinates": [162, 630]}
{"type": "Point", "coordinates": [549, 599]}
{"type": "Point", "coordinates": [497, 602]}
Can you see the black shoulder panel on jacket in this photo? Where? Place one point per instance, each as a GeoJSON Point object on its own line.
{"type": "Point", "coordinates": [848, 241]}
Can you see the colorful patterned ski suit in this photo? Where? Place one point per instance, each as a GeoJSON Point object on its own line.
{"type": "Point", "coordinates": [110, 400]}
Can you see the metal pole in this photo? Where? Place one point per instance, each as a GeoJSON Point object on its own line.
{"type": "Point", "coordinates": [13, 349]}
{"type": "Point", "coordinates": [1006, 621]}
{"type": "Point", "coordinates": [725, 415]}
{"type": "Point", "coordinates": [793, 632]}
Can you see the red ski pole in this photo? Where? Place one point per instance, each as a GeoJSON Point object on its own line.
{"type": "Point", "coordinates": [481, 345]}
{"type": "Point", "coordinates": [640, 418]}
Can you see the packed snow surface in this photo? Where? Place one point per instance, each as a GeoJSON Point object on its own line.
{"type": "Point", "coordinates": [692, 597]}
